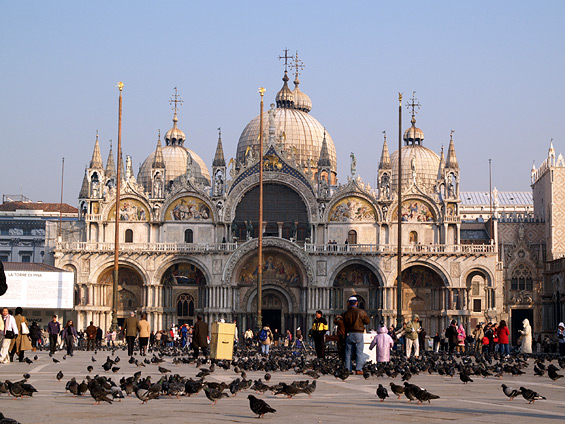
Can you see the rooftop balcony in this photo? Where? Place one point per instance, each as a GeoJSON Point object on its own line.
{"type": "Point", "coordinates": [316, 249]}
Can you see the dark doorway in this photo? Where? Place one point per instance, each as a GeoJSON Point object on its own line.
{"type": "Point", "coordinates": [518, 315]}
{"type": "Point", "coordinates": [272, 317]}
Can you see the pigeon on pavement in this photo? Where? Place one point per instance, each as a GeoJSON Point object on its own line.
{"type": "Point", "coordinates": [510, 392]}
{"type": "Point", "coordinates": [259, 406]}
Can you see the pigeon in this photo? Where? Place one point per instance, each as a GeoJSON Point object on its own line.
{"type": "Point", "coordinates": [409, 391]}
{"type": "Point", "coordinates": [28, 361]}
{"type": "Point", "coordinates": [99, 393]}
{"type": "Point", "coordinates": [510, 392]}
{"type": "Point", "coordinates": [310, 388]}
{"type": "Point", "coordinates": [287, 389]}
{"type": "Point", "coordinates": [89, 368]}
{"type": "Point", "coordinates": [163, 370]}
{"type": "Point", "coordinates": [108, 364]}
{"type": "Point", "coordinates": [59, 375]}
{"type": "Point", "coordinates": [260, 387]}
{"type": "Point", "coordinates": [552, 373]}
{"type": "Point", "coordinates": [115, 369]}
{"type": "Point", "coordinates": [259, 406]}
{"type": "Point", "coordinates": [20, 388]}
{"type": "Point", "coordinates": [55, 360]}
{"type": "Point", "coordinates": [27, 376]}
{"type": "Point", "coordinates": [424, 395]}
{"type": "Point", "coordinates": [214, 395]}
{"type": "Point", "coordinates": [396, 389]}
{"type": "Point", "coordinates": [5, 420]}
{"type": "Point", "coordinates": [93, 359]}
{"type": "Point", "coordinates": [73, 387]}
{"type": "Point", "coordinates": [465, 378]}
{"type": "Point", "coordinates": [35, 358]}
{"type": "Point", "coordinates": [530, 395]}
{"type": "Point", "coordinates": [382, 392]}
{"type": "Point", "coordinates": [267, 377]}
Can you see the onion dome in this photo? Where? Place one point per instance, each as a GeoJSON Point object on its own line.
{"type": "Point", "coordinates": [285, 98]}
{"type": "Point", "coordinates": [413, 135]}
{"type": "Point", "coordinates": [301, 100]}
{"type": "Point", "coordinates": [175, 137]}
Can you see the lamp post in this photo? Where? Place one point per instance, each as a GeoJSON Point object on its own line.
{"type": "Point", "coordinates": [117, 217]}
{"type": "Point", "coordinates": [260, 240]}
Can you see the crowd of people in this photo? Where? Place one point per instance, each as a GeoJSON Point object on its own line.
{"type": "Point", "coordinates": [18, 336]}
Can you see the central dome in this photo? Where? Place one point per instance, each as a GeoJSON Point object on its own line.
{"type": "Point", "coordinates": [302, 134]}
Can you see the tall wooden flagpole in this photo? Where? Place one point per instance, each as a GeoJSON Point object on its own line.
{"type": "Point", "coordinates": [399, 319]}
{"type": "Point", "coordinates": [117, 210]}
{"type": "Point", "coordinates": [260, 241]}
{"type": "Point", "coordinates": [60, 237]}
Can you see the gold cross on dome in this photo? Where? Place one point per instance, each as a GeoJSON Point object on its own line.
{"type": "Point", "coordinates": [286, 57]}
{"type": "Point", "coordinates": [297, 64]}
{"type": "Point", "coordinates": [176, 99]}
{"type": "Point", "coordinates": [413, 104]}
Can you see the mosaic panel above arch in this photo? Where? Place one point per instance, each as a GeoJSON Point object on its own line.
{"type": "Point", "coordinates": [415, 211]}
{"type": "Point", "coordinates": [276, 267]}
{"type": "Point", "coordinates": [188, 208]}
{"type": "Point", "coordinates": [184, 274]}
{"type": "Point", "coordinates": [356, 275]}
{"type": "Point", "coordinates": [352, 209]}
{"type": "Point", "coordinates": [131, 210]}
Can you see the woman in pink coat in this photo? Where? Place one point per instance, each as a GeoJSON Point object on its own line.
{"type": "Point", "coordinates": [384, 344]}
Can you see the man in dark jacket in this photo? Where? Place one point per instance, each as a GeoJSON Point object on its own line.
{"type": "Point", "coordinates": [90, 336]}
{"type": "Point", "coordinates": [355, 320]}
{"type": "Point", "coordinates": [131, 327]}
{"type": "Point", "coordinates": [451, 336]}
{"type": "Point", "coordinates": [200, 337]}
{"type": "Point", "coordinates": [319, 329]}
{"type": "Point", "coordinates": [53, 329]}
{"type": "Point", "coordinates": [340, 333]}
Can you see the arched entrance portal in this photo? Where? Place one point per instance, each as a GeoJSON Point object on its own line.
{"type": "Point", "coordinates": [283, 281]}
{"type": "Point", "coordinates": [184, 292]}
{"type": "Point", "coordinates": [130, 290]}
{"type": "Point", "coordinates": [422, 290]}
{"type": "Point", "coordinates": [359, 280]}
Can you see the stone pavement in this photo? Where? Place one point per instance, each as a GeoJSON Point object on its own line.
{"type": "Point", "coordinates": [334, 401]}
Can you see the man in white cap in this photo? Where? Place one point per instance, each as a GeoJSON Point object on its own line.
{"type": "Point", "coordinates": [354, 320]}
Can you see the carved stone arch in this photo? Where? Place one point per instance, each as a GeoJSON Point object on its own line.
{"type": "Point", "coordinates": [285, 245]}
{"type": "Point", "coordinates": [342, 265]}
{"type": "Point", "coordinates": [111, 203]}
{"type": "Point", "coordinates": [481, 270]}
{"type": "Point", "coordinates": [354, 193]}
{"type": "Point", "coordinates": [293, 305]}
{"type": "Point", "coordinates": [305, 192]}
{"type": "Point", "coordinates": [108, 263]}
{"type": "Point", "coordinates": [438, 269]}
{"type": "Point", "coordinates": [178, 195]}
{"type": "Point", "coordinates": [182, 259]}
{"type": "Point", "coordinates": [392, 215]}
{"type": "Point", "coordinates": [521, 261]}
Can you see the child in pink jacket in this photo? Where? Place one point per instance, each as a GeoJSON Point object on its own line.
{"type": "Point", "coordinates": [384, 344]}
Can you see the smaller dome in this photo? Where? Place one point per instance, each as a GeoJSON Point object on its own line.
{"type": "Point", "coordinates": [301, 100]}
{"type": "Point", "coordinates": [413, 135]}
{"type": "Point", "coordinates": [175, 136]}
{"type": "Point", "coordinates": [285, 98]}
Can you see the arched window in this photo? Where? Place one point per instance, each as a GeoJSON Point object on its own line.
{"type": "Point", "coordinates": [129, 236]}
{"type": "Point", "coordinates": [413, 237]}
{"type": "Point", "coordinates": [185, 305]}
{"type": "Point", "coordinates": [188, 236]}
{"type": "Point", "coordinates": [521, 278]}
{"type": "Point", "coordinates": [352, 237]}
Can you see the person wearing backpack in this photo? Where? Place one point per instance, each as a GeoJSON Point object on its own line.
{"type": "Point", "coordinates": [265, 338]}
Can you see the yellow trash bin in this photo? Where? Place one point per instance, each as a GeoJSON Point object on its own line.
{"type": "Point", "coordinates": [221, 341]}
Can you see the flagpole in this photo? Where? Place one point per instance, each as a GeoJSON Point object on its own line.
{"type": "Point", "coordinates": [260, 241]}
{"type": "Point", "coordinates": [399, 319]}
{"type": "Point", "coordinates": [60, 238]}
{"type": "Point", "coordinates": [117, 210]}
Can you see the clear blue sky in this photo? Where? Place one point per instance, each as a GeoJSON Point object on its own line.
{"type": "Point", "coordinates": [490, 70]}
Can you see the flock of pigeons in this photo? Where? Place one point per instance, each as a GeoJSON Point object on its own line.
{"type": "Point", "coordinates": [103, 388]}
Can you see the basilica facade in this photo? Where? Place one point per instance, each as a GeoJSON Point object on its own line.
{"type": "Point", "coordinates": [188, 233]}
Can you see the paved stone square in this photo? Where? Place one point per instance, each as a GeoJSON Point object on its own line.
{"type": "Point", "coordinates": [334, 401]}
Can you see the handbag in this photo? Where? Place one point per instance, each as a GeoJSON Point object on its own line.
{"type": "Point", "coordinates": [10, 334]}
{"type": "Point", "coordinates": [25, 329]}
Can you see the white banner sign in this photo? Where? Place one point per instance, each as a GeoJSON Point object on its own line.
{"type": "Point", "coordinates": [29, 289]}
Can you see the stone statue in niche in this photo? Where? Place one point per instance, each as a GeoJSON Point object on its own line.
{"type": "Point", "coordinates": [413, 168]}
{"type": "Point", "coordinates": [385, 185]}
{"type": "Point", "coordinates": [249, 229]}
{"type": "Point", "coordinates": [219, 183]}
{"type": "Point", "coordinates": [322, 209]}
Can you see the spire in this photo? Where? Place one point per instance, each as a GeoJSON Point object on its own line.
{"type": "Point", "coordinates": [324, 160]}
{"type": "Point", "coordinates": [441, 165]}
{"type": "Point", "coordinates": [451, 159]}
{"type": "Point", "coordinates": [96, 162]}
{"type": "Point", "coordinates": [84, 189]}
{"type": "Point", "coordinates": [110, 164]}
{"type": "Point", "coordinates": [219, 156]}
{"type": "Point", "coordinates": [285, 98]}
{"type": "Point", "coordinates": [413, 135]}
{"type": "Point", "coordinates": [385, 157]}
{"type": "Point", "coordinates": [158, 161]}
